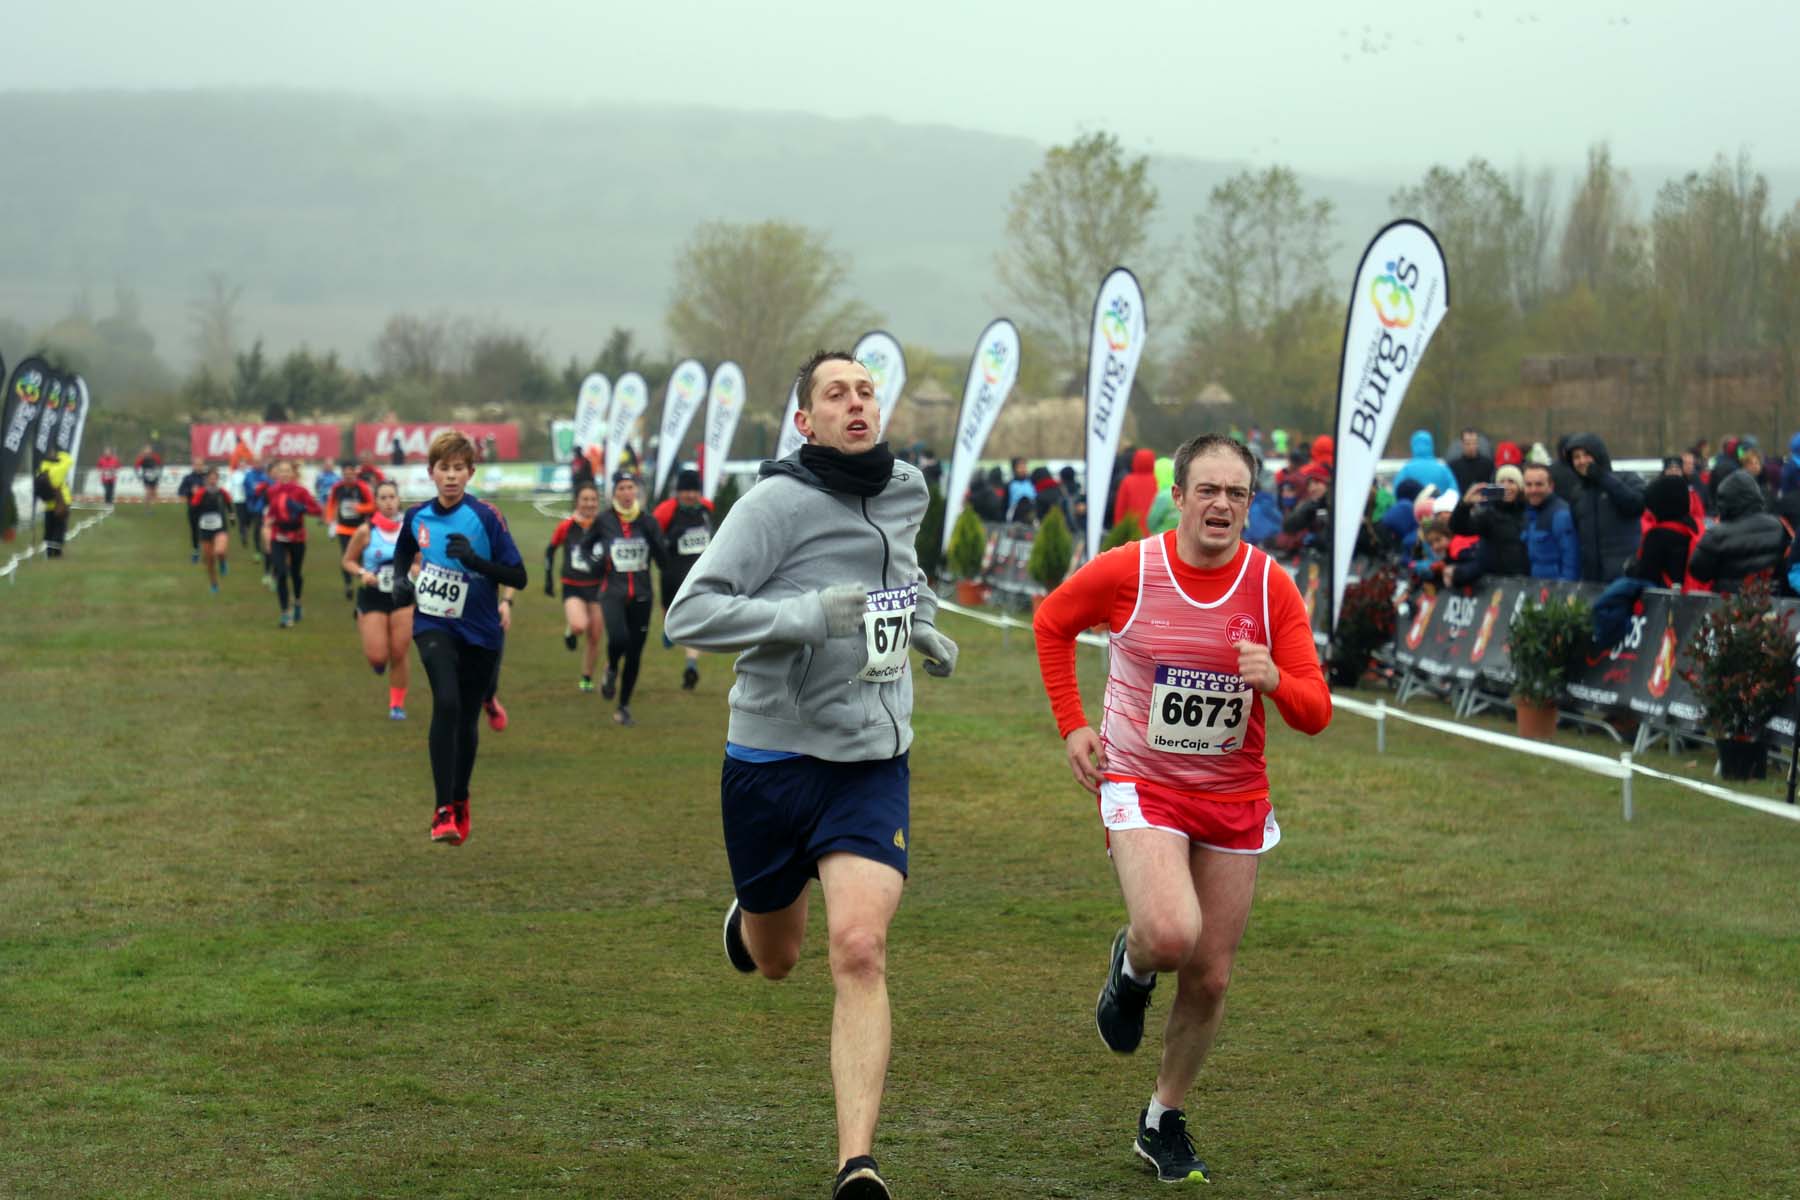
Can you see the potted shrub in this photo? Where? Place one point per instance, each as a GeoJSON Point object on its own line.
{"type": "Point", "coordinates": [1742, 671]}
{"type": "Point", "coordinates": [1051, 551]}
{"type": "Point", "coordinates": [1365, 621]}
{"type": "Point", "coordinates": [968, 541]}
{"type": "Point", "coordinates": [1125, 529]}
{"type": "Point", "coordinates": [1545, 638]}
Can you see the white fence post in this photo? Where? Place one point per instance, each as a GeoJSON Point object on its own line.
{"type": "Point", "coordinates": [1625, 761]}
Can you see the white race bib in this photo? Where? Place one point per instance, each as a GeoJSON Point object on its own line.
{"type": "Point", "coordinates": [347, 510]}
{"type": "Point", "coordinates": [630, 554]}
{"type": "Point", "coordinates": [441, 591]}
{"type": "Point", "coordinates": [1197, 712]}
{"type": "Point", "coordinates": [384, 578]}
{"type": "Point", "coordinates": [693, 541]}
{"type": "Point", "coordinates": [579, 562]}
{"type": "Point", "coordinates": [887, 632]}
{"type": "Point", "coordinates": [211, 522]}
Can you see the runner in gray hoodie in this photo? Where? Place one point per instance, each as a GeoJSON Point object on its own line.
{"type": "Point", "coordinates": [813, 577]}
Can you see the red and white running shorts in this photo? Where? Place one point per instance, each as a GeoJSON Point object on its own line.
{"type": "Point", "coordinates": [1238, 827]}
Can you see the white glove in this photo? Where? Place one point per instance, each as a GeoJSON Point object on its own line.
{"type": "Point", "coordinates": [939, 651]}
{"type": "Point", "coordinates": [844, 606]}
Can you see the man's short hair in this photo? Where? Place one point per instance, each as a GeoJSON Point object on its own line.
{"type": "Point", "coordinates": [803, 381]}
{"type": "Point", "coordinates": [1531, 466]}
{"type": "Point", "coordinates": [1211, 443]}
{"type": "Point", "coordinates": [451, 445]}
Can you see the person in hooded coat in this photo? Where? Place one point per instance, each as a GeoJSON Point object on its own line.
{"type": "Point", "coordinates": [1748, 540]}
{"type": "Point", "coordinates": [1163, 514]}
{"type": "Point", "coordinates": [1606, 507]}
{"type": "Point", "coordinates": [1670, 531]}
{"type": "Point", "coordinates": [1137, 491]}
{"type": "Point", "coordinates": [1425, 466]}
{"type": "Point", "coordinates": [1790, 466]}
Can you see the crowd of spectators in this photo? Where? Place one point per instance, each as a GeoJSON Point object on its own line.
{"type": "Point", "coordinates": [1704, 521]}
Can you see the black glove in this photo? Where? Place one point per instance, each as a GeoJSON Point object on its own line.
{"type": "Point", "coordinates": [459, 548]}
{"type": "Point", "coordinates": [549, 587]}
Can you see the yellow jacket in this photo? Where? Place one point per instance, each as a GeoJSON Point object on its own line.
{"type": "Point", "coordinates": [59, 466]}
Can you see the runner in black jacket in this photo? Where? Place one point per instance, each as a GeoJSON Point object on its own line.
{"type": "Point", "coordinates": [625, 539]}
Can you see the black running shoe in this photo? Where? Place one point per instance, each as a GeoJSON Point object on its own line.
{"type": "Point", "coordinates": [735, 950]}
{"type": "Point", "coordinates": [860, 1179]}
{"type": "Point", "coordinates": [1119, 1012]}
{"type": "Point", "coordinates": [609, 684]}
{"type": "Point", "coordinates": [689, 678]}
{"type": "Point", "coordinates": [570, 641]}
{"type": "Point", "coordinates": [1169, 1149]}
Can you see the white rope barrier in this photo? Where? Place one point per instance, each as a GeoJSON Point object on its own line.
{"type": "Point", "coordinates": [1622, 768]}
{"type": "Point", "coordinates": [12, 564]}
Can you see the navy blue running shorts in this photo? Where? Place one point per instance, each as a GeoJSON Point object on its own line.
{"type": "Point", "coordinates": [782, 817]}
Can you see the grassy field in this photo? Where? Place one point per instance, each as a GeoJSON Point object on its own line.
{"type": "Point", "coordinates": [232, 965]}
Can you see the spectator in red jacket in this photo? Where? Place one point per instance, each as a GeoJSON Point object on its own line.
{"type": "Point", "coordinates": [1137, 491]}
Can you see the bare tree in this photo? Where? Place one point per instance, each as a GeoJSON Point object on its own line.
{"type": "Point", "coordinates": [215, 325]}
{"type": "Point", "coordinates": [1259, 245]}
{"type": "Point", "coordinates": [1712, 239]}
{"type": "Point", "coordinates": [1085, 210]}
{"type": "Point", "coordinates": [765, 296]}
{"type": "Point", "coordinates": [1597, 218]}
{"type": "Point", "coordinates": [413, 347]}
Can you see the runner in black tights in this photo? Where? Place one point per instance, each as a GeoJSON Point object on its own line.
{"type": "Point", "coordinates": [624, 540]}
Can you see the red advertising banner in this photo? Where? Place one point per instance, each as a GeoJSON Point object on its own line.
{"type": "Point", "coordinates": [214, 443]}
{"type": "Point", "coordinates": [415, 440]}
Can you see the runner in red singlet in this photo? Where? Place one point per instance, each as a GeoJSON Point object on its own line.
{"type": "Point", "coordinates": [1203, 627]}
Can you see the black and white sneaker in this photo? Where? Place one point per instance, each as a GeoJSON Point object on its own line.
{"type": "Point", "coordinates": [690, 677]}
{"type": "Point", "coordinates": [860, 1179]}
{"type": "Point", "coordinates": [1169, 1149]}
{"type": "Point", "coordinates": [1119, 1012]}
{"type": "Point", "coordinates": [609, 684]}
{"type": "Point", "coordinates": [735, 950]}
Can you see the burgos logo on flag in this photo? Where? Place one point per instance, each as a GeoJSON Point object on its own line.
{"type": "Point", "coordinates": [1115, 325]}
{"type": "Point", "coordinates": [993, 361]}
{"type": "Point", "coordinates": [1392, 299]}
{"type": "Point", "coordinates": [875, 362]}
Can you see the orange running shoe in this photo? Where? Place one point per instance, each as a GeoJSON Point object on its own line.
{"type": "Point", "coordinates": [444, 827]}
{"type": "Point", "coordinates": [496, 712]}
{"type": "Point", "coordinates": [460, 813]}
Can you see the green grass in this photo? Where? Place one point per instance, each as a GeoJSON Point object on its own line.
{"type": "Point", "coordinates": [232, 965]}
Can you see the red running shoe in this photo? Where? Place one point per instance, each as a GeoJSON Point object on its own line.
{"type": "Point", "coordinates": [444, 827]}
{"type": "Point", "coordinates": [496, 714]}
{"type": "Point", "coordinates": [460, 813]}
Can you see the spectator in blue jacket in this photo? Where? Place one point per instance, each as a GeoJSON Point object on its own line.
{"type": "Point", "coordinates": [1790, 466]}
{"type": "Point", "coordinates": [1549, 532]}
{"type": "Point", "coordinates": [1400, 521]}
{"type": "Point", "coordinates": [1425, 466]}
{"type": "Point", "coordinates": [1264, 521]}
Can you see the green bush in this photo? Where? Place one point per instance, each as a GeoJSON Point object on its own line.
{"type": "Point", "coordinates": [1126, 529]}
{"type": "Point", "coordinates": [1051, 551]}
{"type": "Point", "coordinates": [1545, 639]}
{"type": "Point", "coordinates": [1741, 659]}
{"type": "Point", "coordinates": [723, 499]}
{"type": "Point", "coordinates": [928, 545]}
{"type": "Point", "coordinates": [968, 542]}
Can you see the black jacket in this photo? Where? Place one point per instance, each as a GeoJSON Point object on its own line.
{"type": "Point", "coordinates": [1747, 539]}
{"type": "Point", "coordinates": [1471, 471]}
{"type": "Point", "coordinates": [642, 534]}
{"type": "Point", "coordinates": [1606, 507]}
{"type": "Point", "coordinates": [1501, 528]}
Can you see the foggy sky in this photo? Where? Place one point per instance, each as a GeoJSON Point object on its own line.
{"type": "Point", "coordinates": [1296, 82]}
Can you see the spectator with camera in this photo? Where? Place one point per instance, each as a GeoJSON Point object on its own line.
{"type": "Point", "coordinates": [1493, 514]}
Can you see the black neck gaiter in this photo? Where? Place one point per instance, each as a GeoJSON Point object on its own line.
{"type": "Point", "coordinates": [862, 474]}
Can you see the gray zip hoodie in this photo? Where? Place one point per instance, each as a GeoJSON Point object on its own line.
{"type": "Point", "coordinates": [756, 590]}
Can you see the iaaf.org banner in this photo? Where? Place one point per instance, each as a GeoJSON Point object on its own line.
{"type": "Point", "coordinates": [1400, 296]}
{"type": "Point", "coordinates": [214, 443]}
{"type": "Point", "coordinates": [1114, 347]}
{"type": "Point", "coordinates": [377, 440]}
{"type": "Point", "coordinates": [993, 369]}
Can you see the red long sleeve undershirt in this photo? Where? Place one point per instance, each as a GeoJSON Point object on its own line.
{"type": "Point", "coordinates": [1105, 590]}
